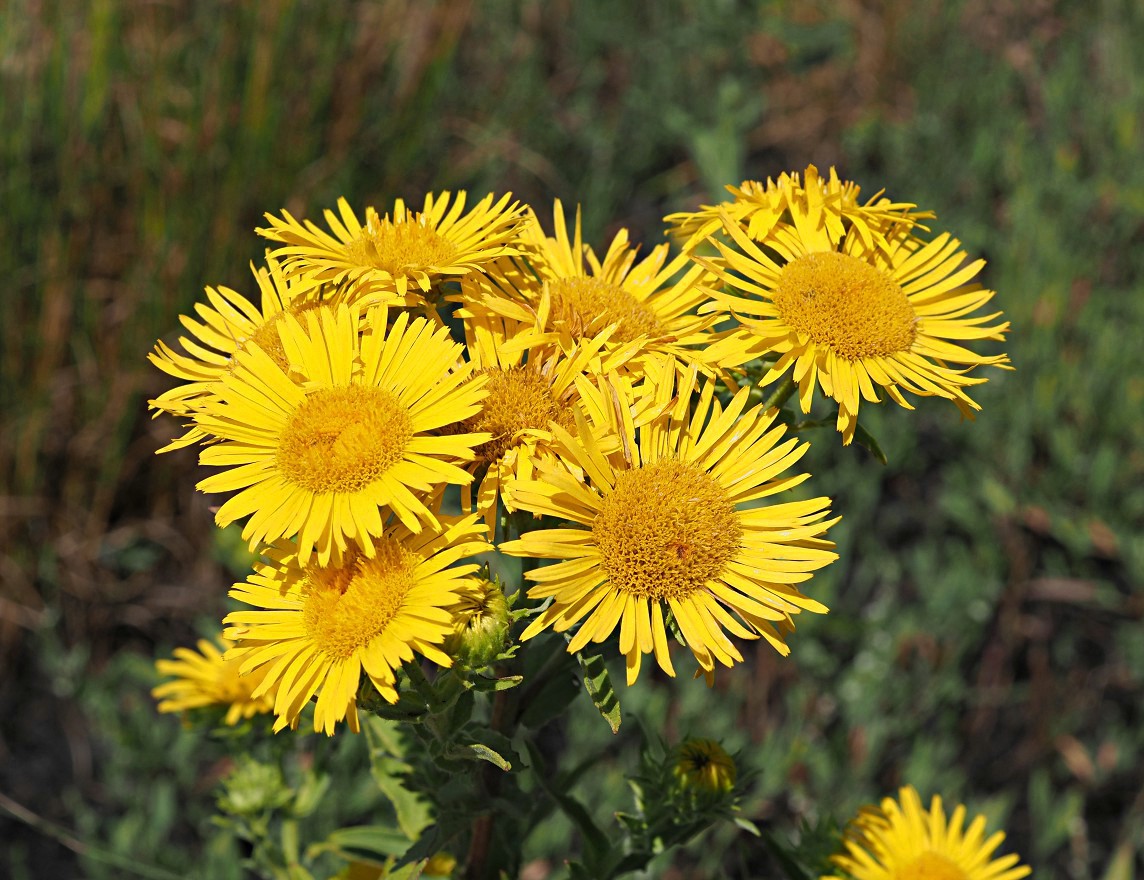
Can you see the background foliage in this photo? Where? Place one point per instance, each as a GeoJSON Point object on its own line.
{"type": "Point", "coordinates": [985, 633]}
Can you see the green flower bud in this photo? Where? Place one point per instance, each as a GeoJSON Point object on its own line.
{"type": "Point", "coordinates": [481, 629]}
{"type": "Point", "coordinates": [703, 767]}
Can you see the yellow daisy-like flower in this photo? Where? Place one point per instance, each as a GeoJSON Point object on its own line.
{"type": "Point", "coordinates": [904, 840]}
{"type": "Point", "coordinates": [668, 523]}
{"type": "Point", "coordinates": [647, 305]}
{"type": "Point", "coordinates": [388, 256]}
{"type": "Point", "coordinates": [809, 203]}
{"type": "Point", "coordinates": [531, 383]}
{"type": "Point", "coordinates": [228, 323]}
{"type": "Point", "coordinates": [704, 766]}
{"type": "Point", "coordinates": [326, 456]}
{"type": "Point", "coordinates": [206, 678]}
{"type": "Point", "coordinates": [318, 627]}
{"type": "Point", "coordinates": [848, 317]}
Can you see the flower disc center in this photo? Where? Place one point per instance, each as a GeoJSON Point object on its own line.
{"type": "Point", "coordinates": [846, 304]}
{"type": "Point", "coordinates": [397, 248]}
{"type": "Point", "coordinates": [517, 399]}
{"type": "Point", "coordinates": [586, 305]}
{"type": "Point", "coordinates": [930, 866]}
{"type": "Point", "coordinates": [666, 530]}
{"type": "Point", "coordinates": [267, 336]}
{"type": "Point", "coordinates": [349, 605]}
{"type": "Point", "coordinates": [343, 439]}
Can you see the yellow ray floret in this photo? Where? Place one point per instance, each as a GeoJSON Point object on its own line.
{"type": "Point", "coordinates": [316, 628]}
{"type": "Point", "coordinates": [228, 321]}
{"type": "Point", "coordinates": [903, 839]}
{"type": "Point", "coordinates": [206, 678]}
{"type": "Point", "coordinates": [851, 318]}
{"type": "Point", "coordinates": [350, 435]}
{"type": "Point", "coordinates": [397, 259]}
{"type": "Point", "coordinates": [669, 524]}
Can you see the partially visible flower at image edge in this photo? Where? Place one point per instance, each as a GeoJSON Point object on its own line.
{"type": "Point", "coordinates": [901, 839]}
{"type": "Point", "coordinates": [206, 678]}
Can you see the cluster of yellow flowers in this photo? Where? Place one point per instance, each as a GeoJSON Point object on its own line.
{"type": "Point", "coordinates": [608, 393]}
{"type": "Point", "coordinates": [586, 390]}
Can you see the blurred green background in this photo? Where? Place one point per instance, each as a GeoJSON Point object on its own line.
{"type": "Point", "coordinates": [985, 637]}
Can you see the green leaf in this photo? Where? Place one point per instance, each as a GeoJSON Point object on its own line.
{"type": "Point", "coordinates": [363, 841]}
{"type": "Point", "coordinates": [412, 871]}
{"type": "Point", "coordinates": [790, 866]}
{"type": "Point", "coordinates": [1123, 864]}
{"type": "Point", "coordinates": [413, 814]}
{"type": "Point", "coordinates": [748, 826]}
{"type": "Point", "coordinates": [555, 694]}
{"type": "Point", "coordinates": [483, 683]}
{"type": "Point", "coordinates": [866, 440]}
{"type": "Point", "coordinates": [478, 752]}
{"type": "Point", "coordinates": [634, 861]}
{"type": "Point", "coordinates": [596, 842]}
{"type": "Point", "coordinates": [309, 794]}
{"type": "Point", "coordinates": [599, 686]}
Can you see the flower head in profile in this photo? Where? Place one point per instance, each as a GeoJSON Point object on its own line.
{"type": "Point", "coordinates": [316, 628]}
{"type": "Point", "coordinates": [808, 202]}
{"type": "Point", "coordinates": [668, 527]}
{"type": "Point", "coordinates": [648, 306]}
{"type": "Point", "coordinates": [228, 323]}
{"type": "Point", "coordinates": [703, 766]}
{"type": "Point", "coordinates": [328, 451]}
{"type": "Point", "coordinates": [850, 317]}
{"type": "Point", "coordinates": [396, 260]}
{"type": "Point", "coordinates": [205, 678]}
{"type": "Point", "coordinates": [902, 839]}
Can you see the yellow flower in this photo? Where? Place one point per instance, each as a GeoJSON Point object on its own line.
{"type": "Point", "coordinates": [902, 840]}
{"type": "Point", "coordinates": [530, 383]}
{"type": "Point", "coordinates": [387, 256]}
{"type": "Point", "coordinates": [670, 522]}
{"type": "Point", "coordinates": [809, 204]}
{"type": "Point", "coordinates": [849, 317]}
{"type": "Point", "coordinates": [703, 765]}
{"type": "Point", "coordinates": [646, 306]}
{"type": "Point", "coordinates": [327, 451]}
{"type": "Point", "coordinates": [318, 627]}
{"type": "Point", "coordinates": [207, 679]}
{"type": "Point", "coordinates": [228, 324]}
